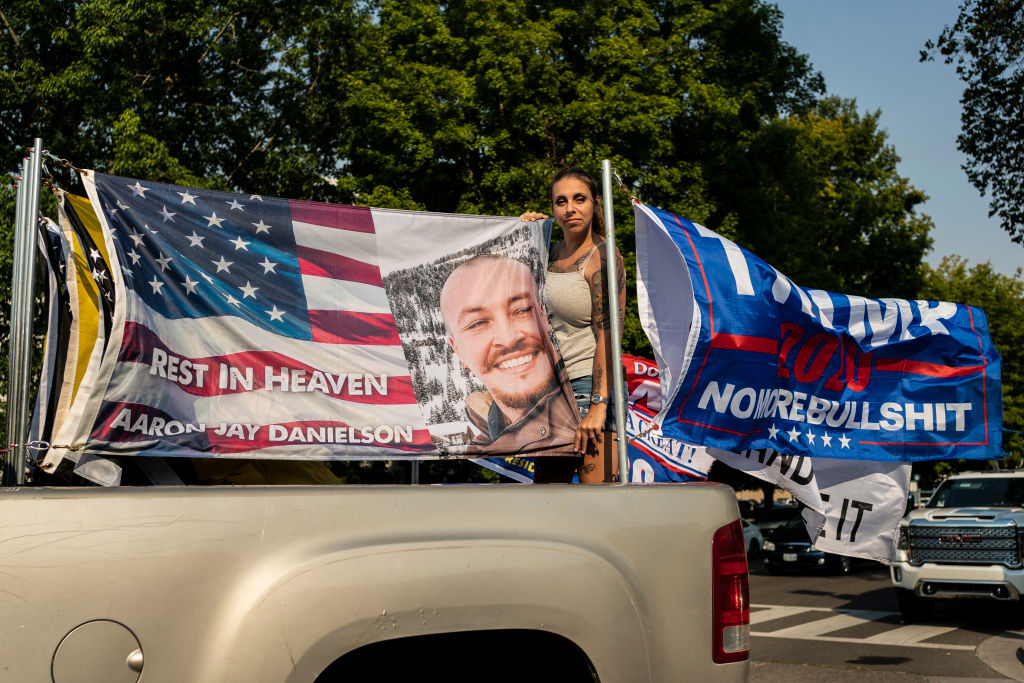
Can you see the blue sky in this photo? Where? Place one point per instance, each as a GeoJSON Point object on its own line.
{"type": "Point", "coordinates": [868, 50]}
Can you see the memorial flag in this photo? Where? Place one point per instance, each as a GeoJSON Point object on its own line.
{"type": "Point", "coordinates": [258, 327]}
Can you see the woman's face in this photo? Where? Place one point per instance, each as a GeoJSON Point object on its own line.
{"type": "Point", "coordinates": [572, 205]}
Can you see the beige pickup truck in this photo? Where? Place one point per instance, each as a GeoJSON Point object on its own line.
{"type": "Point", "coordinates": [358, 583]}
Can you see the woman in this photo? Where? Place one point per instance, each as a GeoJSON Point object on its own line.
{"type": "Point", "coordinates": [577, 301]}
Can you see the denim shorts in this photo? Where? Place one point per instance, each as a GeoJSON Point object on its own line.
{"type": "Point", "coordinates": [582, 388]}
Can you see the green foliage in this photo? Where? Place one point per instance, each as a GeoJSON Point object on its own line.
{"type": "Point", "coordinates": [470, 107]}
{"type": "Point", "coordinates": [986, 44]}
{"type": "Point", "coordinates": [817, 195]}
{"type": "Point", "coordinates": [1001, 297]}
{"type": "Point", "coordinates": [7, 195]}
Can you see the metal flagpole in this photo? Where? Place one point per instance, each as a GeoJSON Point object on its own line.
{"type": "Point", "coordinates": [612, 276]}
{"type": "Point", "coordinates": [9, 464]}
{"type": "Point", "coordinates": [23, 279]}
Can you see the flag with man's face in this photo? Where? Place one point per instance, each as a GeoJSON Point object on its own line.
{"type": "Point", "coordinates": [250, 326]}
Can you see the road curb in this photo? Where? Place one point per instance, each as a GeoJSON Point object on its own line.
{"type": "Point", "coordinates": [1005, 654]}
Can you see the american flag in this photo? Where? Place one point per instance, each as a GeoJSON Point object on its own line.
{"type": "Point", "coordinates": [252, 326]}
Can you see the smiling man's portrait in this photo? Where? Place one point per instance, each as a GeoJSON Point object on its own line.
{"type": "Point", "coordinates": [497, 328]}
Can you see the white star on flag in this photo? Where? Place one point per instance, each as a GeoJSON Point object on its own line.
{"type": "Point", "coordinates": [772, 432]}
{"type": "Point", "coordinates": [268, 266]}
{"type": "Point", "coordinates": [211, 220]}
{"type": "Point", "coordinates": [826, 440]}
{"type": "Point", "coordinates": [138, 190]}
{"type": "Point", "coordinates": [188, 198]}
{"type": "Point", "coordinates": [195, 239]}
{"type": "Point", "coordinates": [275, 314]}
{"type": "Point", "coordinates": [224, 264]}
{"type": "Point", "coordinates": [248, 291]}
{"type": "Point", "coordinates": [168, 215]}
{"type": "Point", "coordinates": [240, 243]}
{"type": "Point", "coordinates": [235, 205]}
{"type": "Point", "coordinates": [844, 441]}
{"type": "Point", "coordinates": [794, 434]}
{"type": "Point", "coordinates": [262, 227]}
{"type": "Point", "coordinates": [190, 284]}
{"type": "Point", "coordinates": [163, 261]}
{"type": "Point", "coordinates": [156, 285]}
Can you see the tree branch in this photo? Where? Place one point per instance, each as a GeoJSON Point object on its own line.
{"type": "Point", "coordinates": [219, 34]}
{"type": "Point", "coordinates": [14, 36]}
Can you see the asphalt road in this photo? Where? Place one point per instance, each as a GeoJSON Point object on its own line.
{"type": "Point", "coordinates": [820, 628]}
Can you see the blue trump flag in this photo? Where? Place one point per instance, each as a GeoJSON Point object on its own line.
{"type": "Point", "coordinates": [748, 359]}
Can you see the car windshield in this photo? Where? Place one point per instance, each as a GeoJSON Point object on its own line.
{"type": "Point", "coordinates": [981, 492]}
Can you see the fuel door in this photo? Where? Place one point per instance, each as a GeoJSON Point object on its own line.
{"type": "Point", "coordinates": [100, 651]}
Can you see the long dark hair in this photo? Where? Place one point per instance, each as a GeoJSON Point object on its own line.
{"type": "Point", "coordinates": [586, 179]}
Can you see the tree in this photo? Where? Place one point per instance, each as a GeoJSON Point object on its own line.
{"type": "Point", "coordinates": [1001, 297]}
{"type": "Point", "coordinates": [817, 195]}
{"type": "Point", "coordinates": [707, 112]}
{"type": "Point", "coordinates": [205, 94]}
{"type": "Point", "coordinates": [986, 44]}
{"type": "Point", "coordinates": [469, 107]}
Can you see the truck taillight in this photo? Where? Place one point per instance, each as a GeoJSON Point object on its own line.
{"type": "Point", "coordinates": [730, 595]}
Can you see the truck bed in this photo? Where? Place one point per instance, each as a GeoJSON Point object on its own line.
{"type": "Point", "coordinates": [278, 583]}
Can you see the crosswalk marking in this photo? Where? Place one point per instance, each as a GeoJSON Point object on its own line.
{"type": "Point", "coordinates": [771, 612]}
{"type": "Point", "coordinates": [910, 635]}
{"type": "Point", "coordinates": [818, 629]}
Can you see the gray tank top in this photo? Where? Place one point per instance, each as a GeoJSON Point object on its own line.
{"type": "Point", "coordinates": [567, 299]}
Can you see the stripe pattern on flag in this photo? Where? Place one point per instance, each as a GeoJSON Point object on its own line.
{"type": "Point", "coordinates": [253, 326]}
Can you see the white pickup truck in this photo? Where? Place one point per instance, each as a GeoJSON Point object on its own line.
{"type": "Point", "coordinates": [317, 584]}
{"type": "Point", "coordinates": [968, 542]}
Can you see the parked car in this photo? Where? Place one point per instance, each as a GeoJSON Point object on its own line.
{"type": "Point", "coordinates": [790, 547]}
{"type": "Point", "coordinates": [748, 508]}
{"type": "Point", "coordinates": [774, 517]}
{"type": "Point", "coordinates": [753, 539]}
{"type": "Point", "coordinates": [968, 542]}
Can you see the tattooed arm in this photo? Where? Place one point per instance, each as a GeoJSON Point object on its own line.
{"type": "Point", "coordinates": [590, 432]}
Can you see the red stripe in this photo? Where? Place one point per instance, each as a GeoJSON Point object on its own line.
{"type": "Point", "coordinates": [347, 327]}
{"type": "Point", "coordinates": [922, 443]}
{"type": "Point", "coordinates": [110, 411]}
{"type": "Point", "coordinates": [139, 341]}
{"type": "Point", "coordinates": [354, 218]}
{"type": "Point", "coordinates": [740, 342]}
{"type": "Point", "coordinates": [336, 266]}
{"type": "Point", "coordinates": [918, 367]}
{"type": "Point", "coordinates": [707, 288]}
{"type": "Point", "coordinates": [720, 429]}
{"type": "Point", "coordinates": [711, 316]}
{"type": "Point", "coordinates": [221, 443]}
{"type": "Point", "coordinates": [663, 462]}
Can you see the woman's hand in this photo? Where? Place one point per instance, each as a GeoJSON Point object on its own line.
{"type": "Point", "coordinates": [532, 216]}
{"type": "Point", "coordinates": [590, 433]}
